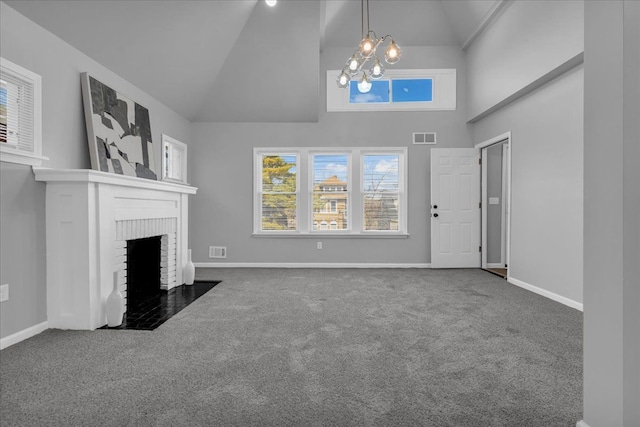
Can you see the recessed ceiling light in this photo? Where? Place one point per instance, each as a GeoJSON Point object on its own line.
{"type": "Point", "coordinates": [271, 2]}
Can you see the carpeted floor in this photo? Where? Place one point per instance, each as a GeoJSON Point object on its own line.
{"type": "Point", "coordinates": [314, 347]}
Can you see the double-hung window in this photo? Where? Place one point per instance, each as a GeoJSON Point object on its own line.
{"type": "Point", "coordinates": [330, 192]}
{"type": "Point", "coordinates": [278, 192]}
{"type": "Point", "coordinates": [341, 192]}
{"type": "Point", "coordinates": [381, 191]}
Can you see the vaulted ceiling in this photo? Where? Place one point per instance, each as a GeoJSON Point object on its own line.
{"type": "Point", "coordinates": [240, 60]}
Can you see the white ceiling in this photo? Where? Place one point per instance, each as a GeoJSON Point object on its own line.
{"type": "Point", "coordinates": [206, 58]}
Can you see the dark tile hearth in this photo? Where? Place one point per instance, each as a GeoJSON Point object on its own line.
{"type": "Point", "coordinates": [153, 311]}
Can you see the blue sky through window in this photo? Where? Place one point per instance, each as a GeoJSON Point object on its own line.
{"type": "Point", "coordinates": [3, 96]}
{"type": "Point", "coordinates": [412, 90]}
{"type": "Point", "coordinates": [379, 93]}
{"type": "Point", "coordinates": [327, 165]}
{"type": "Point", "coordinates": [290, 160]}
{"type": "Point", "coordinates": [381, 172]}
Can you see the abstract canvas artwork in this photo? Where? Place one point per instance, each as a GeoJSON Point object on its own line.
{"type": "Point", "coordinates": [118, 130]}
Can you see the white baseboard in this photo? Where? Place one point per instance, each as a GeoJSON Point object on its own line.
{"type": "Point", "coordinates": [23, 335]}
{"type": "Point", "coordinates": [581, 424]}
{"type": "Point", "coordinates": [553, 296]}
{"type": "Point", "coordinates": [306, 265]}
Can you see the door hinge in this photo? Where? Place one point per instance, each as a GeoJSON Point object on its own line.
{"type": "Point", "coordinates": [479, 248]}
{"type": "Point", "coordinates": [479, 205]}
{"type": "Point", "coordinates": [480, 160]}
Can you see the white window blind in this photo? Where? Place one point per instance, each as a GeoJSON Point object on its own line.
{"type": "Point", "coordinates": [348, 192]}
{"type": "Point", "coordinates": [278, 192]}
{"type": "Point", "coordinates": [20, 115]}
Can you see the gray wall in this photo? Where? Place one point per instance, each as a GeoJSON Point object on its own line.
{"type": "Point", "coordinates": [221, 213]}
{"type": "Point", "coordinates": [546, 184]}
{"type": "Point", "coordinates": [530, 39]}
{"type": "Point", "coordinates": [22, 207]}
{"type": "Point", "coordinates": [612, 214]}
{"type": "Point", "coordinates": [547, 132]}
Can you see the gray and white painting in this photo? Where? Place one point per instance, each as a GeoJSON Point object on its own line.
{"type": "Point", "coordinates": [119, 131]}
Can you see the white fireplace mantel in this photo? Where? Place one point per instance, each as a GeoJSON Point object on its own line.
{"type": "Point", "coordinates": [88, 215]}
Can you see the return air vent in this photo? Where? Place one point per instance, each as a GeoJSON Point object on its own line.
{"type": "Point", "coordinates": [424, 138]}
{"type": "Point", "coordinates": [217, 251]}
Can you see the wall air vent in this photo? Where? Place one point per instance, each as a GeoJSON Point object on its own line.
{"type": "Point", "coordinates": [424, 138]}
{"type": "Point", "coordinates": [217, 251]}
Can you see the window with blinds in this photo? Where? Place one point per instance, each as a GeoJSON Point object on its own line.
{"type": "Point", "coordinates": [20, 115]}
{"type": "Point", "coordinates": [381, 191]}
{"type": "Point", "coordinates": [278, 192]}
{"type": "Point", "coordinates": [357, 191]}
{"type": "Point", "coordinates": [330, 191]}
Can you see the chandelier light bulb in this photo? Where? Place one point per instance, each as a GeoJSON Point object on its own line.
{"type": "Point", "coordinates": [377, 70]}
{"type": "Point", "coordinates": [392, 55]}
{"type": "Point", "coordinates": [271, 3]}
{"type": "Point", "coordinates": [364, 85]}
{"type": "Point", "coordinates": [343, 79]}
{"type": "Point", "coordinates": [353, 64]}
{"type": "Point", "coordinates": [366, 46]}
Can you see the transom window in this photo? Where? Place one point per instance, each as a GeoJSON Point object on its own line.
{"type": "Point", "coordinates": [352, 191]}
{"type": "Point", "coordinates": [400, 90]}
{"type": "Point", "coordinates": [397, 90]}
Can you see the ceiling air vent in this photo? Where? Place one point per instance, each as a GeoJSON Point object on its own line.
{"type": "Point", "coordinates": [424, 138]}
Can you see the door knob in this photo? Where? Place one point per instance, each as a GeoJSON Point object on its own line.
{"type": "Point", "coordinates": [435, 215]}
{"type": "Point", "coordinates": [435, 206]}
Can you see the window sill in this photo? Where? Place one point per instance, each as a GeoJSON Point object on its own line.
{"type": "Point", "coordinates": [330, 235]}
{"type": "Point", "coordinates": [10, 155]}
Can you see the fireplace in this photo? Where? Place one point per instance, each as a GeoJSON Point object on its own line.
{"type": "Point", "coordinates": [143, 269]}
{"type": "Point", "coordinates": [90, 217]}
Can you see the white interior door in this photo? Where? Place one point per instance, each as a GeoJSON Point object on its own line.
{"type": "Point", "coordinates": [455, 208]}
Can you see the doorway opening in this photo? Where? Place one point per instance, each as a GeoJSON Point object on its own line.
{"type": "Point", "coordinates": [496, 202]}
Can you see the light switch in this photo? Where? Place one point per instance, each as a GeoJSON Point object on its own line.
{"type": "Point", "coordinates": [494, 200]}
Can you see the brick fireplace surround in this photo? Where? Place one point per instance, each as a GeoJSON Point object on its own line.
{"type": "Point", "coordinates": [90, 215]}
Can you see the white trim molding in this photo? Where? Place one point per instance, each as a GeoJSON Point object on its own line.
{"type": "Point", "coordinates": [308, 265]}
{"type": "Point", "coordinates": [543, 292]}
{"type": "Point", "coordinates": [492, 16]}
{"type": "Point", "coordinates": [581, 423]}
{"type": "Point", "coordinates": [540, 81]}
{"type": "Point", "coordinates": [23, 335]}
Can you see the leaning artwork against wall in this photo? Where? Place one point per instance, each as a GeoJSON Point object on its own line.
{"type": "Point", "coordinates": [118, 130]}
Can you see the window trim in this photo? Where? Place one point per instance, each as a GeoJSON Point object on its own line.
{"type": "Point", "coordinates": [443, 92]}
{"type": "Point", "coordinates": [171, 146]}
{"type": "Point", "coordinates": [402, 185]}
{"type": "Point", "coordinates": [10, 153]}
{"type": "Point", "coordinates": [304, 188]}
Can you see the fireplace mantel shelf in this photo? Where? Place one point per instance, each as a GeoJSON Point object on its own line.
{"type": "Point", "coordinates": [89, 175]}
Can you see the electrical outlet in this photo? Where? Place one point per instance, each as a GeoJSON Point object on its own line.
{"type": "Point", "coordinates": [4, 292]}
{"type": "Point", "coordinates": [319, 245]}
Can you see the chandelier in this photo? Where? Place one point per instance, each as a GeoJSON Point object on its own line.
{"type": "Point", "coordinates": [366, 51]}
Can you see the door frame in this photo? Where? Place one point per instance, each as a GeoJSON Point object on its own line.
{"type": "Point", "coordinates": [506, 211]}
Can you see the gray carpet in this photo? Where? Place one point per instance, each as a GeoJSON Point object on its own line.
{"type": "Point", "coordinates": [306, 347]}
